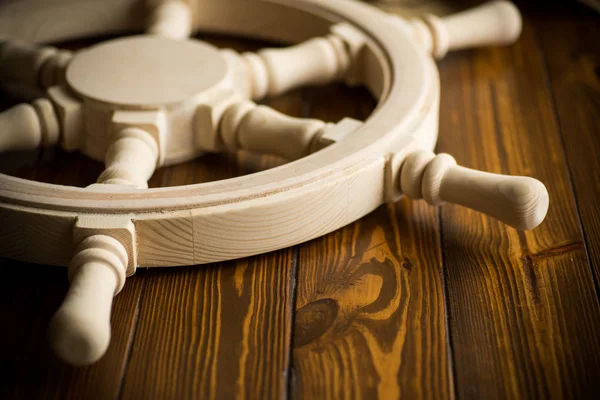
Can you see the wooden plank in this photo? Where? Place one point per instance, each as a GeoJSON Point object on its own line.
{"type": "Point", "coordinates": [522, 307]}
{"type": "Point", "coordinates": [572, 53]}
{"type": "Point", "coordinates": [213, 332]}
{"type": "Point", "coordinates": [369, 313]}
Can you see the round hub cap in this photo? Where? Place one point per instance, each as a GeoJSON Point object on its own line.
{"type": "Point", "coordinates": [146, 71]}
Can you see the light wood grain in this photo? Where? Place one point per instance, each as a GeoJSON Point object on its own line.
{"type": "Point", "coordinates": [262, 130]}
{"type": "Point", "coordinates": [222, 331]}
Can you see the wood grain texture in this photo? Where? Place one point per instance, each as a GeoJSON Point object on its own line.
{"type": "Point", "coordinates": [370, 318]}
{"type": "Point", "coordinates": [369, 312]}
{"type": "Point", "coordinates": [172, 19]}
{"type": "Point", "coordinates": [523, 315]}
{"type": "Point", "coordinates": [216, 332]}
{"type": "Point", "coordinates": [523, 311]}
{"type": "Point", "coordinates": [572, 55]}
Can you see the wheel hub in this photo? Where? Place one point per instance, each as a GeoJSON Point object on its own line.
{"type": "Point", "coordinates": [146, 71]}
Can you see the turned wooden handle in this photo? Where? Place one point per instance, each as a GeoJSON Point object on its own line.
{"type": "Point", "coordinates": [317, 61]}
{"type": "Point", "coordinates": [80, 329]}
{"type": "Point", "coordinates": [518, 201]}
{"type": "Point", "coordinates": [170, 18]}
{"type": "Point", "coordinates": [263, 130]}
{"type": "Point", "coordinates": [30, 65]}
{"type": "Point", "coordinates": [28, 126]}
{"type": "Point", "coordinates": [494, 23]}
{"type": "Point", "coordinates": [130, 159]}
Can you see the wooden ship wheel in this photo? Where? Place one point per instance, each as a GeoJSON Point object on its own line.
{"type": "Point", "coordinates": [144, 101]}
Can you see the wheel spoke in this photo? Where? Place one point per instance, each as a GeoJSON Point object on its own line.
{"type": "Point", "coordinates": [317, 61]}
{"type": "Point", "coordinates": [131, 159]}
{"type": "Point", "coordinates": [29, 126]}
{"type": "Point", "coordinates": [35, 67]}
{"type": "Point", "coordinates": [261, 129]}
{"type": "Point", "coordinates": [170, 18]}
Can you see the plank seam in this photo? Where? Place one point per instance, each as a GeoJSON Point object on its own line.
{"type": "Point", "coordinates": [447, 317]}
{"type": "Point", "coordinates": [289, 372]}
{"type": "Point", "coordinates": [131, 339]}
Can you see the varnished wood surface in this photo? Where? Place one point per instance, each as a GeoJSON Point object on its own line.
{"type": "Point", "coordinates": [522, 306]}
{"type": "Point", "coordinates": [572, 56]}
{"type": "Point", "coordinates": [410, 301]}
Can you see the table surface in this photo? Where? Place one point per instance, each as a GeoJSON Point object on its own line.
{"type": "Point", "coordinates": [409, 301]}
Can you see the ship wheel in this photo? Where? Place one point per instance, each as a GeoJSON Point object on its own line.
{"type": "Point", "coordinates": [142, 102]}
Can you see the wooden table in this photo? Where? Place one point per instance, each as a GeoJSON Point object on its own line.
{"type": "Point", "coordinates": [409, 301]}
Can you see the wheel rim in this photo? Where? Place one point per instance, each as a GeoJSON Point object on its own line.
{"type": "Point", "coordinates": [393, 122]}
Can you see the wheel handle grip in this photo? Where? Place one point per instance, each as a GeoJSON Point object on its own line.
{"type": "Point", "coordinates": [518, 201]}
{"type": "Point", "coordinates": [80, 330]}
{"type": "Point", "coordinates": [490, 24]}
